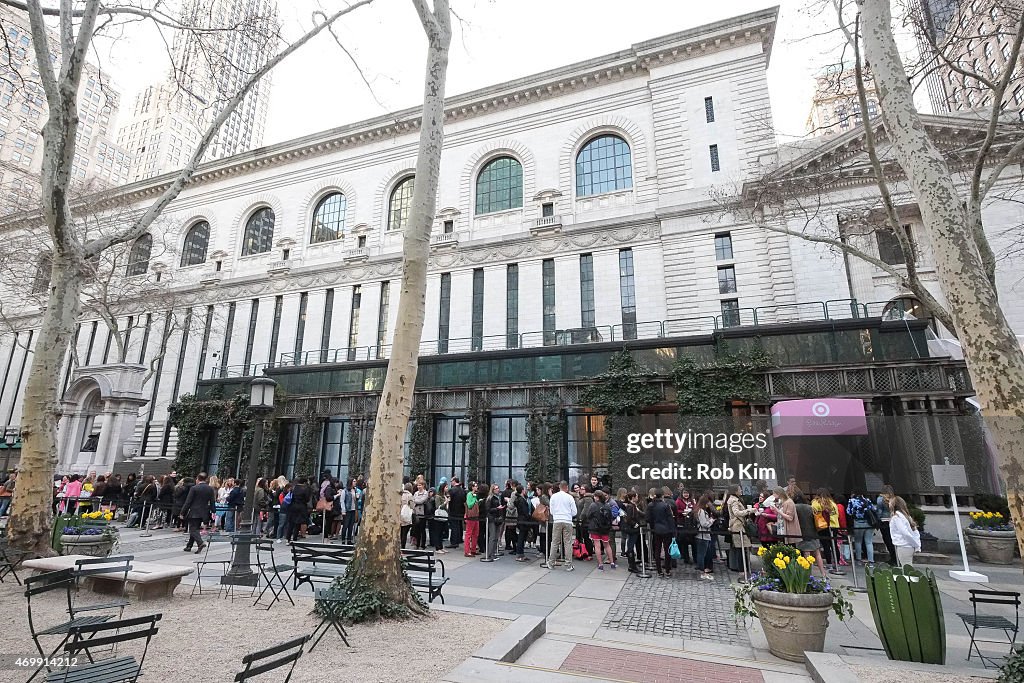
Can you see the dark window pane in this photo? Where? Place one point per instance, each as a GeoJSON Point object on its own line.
{"type": "Point", "coordinates": [328, 219]}
{"type": "Point", "coordinates": [604, 165]}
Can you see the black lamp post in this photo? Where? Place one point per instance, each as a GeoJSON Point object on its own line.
{"type": "Point", "coordinates": [261, 403]}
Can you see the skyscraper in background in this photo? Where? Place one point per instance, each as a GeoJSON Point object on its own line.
{"type": "Point", "coordinates": [98, 161]}
{"type": "Point", "coordinates": [835, 107]}
{"type": "Point", "coordinates": [169, 117]}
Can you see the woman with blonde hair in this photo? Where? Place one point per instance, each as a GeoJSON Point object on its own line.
{"type": "Point", "coordinates": [789, 524]}
{"type": "Point", "coordinates": [905, 535]}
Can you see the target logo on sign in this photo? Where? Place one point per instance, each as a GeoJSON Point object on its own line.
{"type": "Point", "coordinates": [820, 409]}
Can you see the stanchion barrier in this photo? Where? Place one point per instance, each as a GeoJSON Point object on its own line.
{"type": "Point", "coordinates": [644, 574]}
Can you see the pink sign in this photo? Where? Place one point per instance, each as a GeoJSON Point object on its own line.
{"type": "Point", "coordinates": [819, 417]}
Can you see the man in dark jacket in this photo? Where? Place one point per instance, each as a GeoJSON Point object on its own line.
{"type": "Point", "coordinates": [199, 507]}
{"type": "Point", "coordinates": [662, 523]}
{"type": "Point", "coordinates": [456, 511]}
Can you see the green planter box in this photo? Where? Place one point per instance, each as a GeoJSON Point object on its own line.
{"type": "Point", "coordinates": [907, 611]}
{"type": "Point", "coordinates": [65, 520]}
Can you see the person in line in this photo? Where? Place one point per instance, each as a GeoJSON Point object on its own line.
{"type": "Point", "coordinates": [199, 507]}
{"type": "Point", "coordinates": [810, 545]}
{"type": "Point", "coordinates": [261, 506]}
{"type": "Point", "coordinates": [164, 501]}
{"type": "Point", "coordinates": [456, 512]}
{"type": "Point", "coordinates": [906, 537]}
{"type": "Point", "coordinates": [738, 514]}
{"type": "Point", "coordinates": [7, 493]}
{"type": "Point", "coordinates": [524, 521]}
{"type": "Point", "coordinates": [406, 513]}
{"type": "Point", "coordinates": [629, 524]}
{"type": "Point", "coordinates": [472, 515]}
{"type": "Point", "coordinates": [284, 501]}
{"type": "Point", "coordinates": [767, 518]}
{"type": "Point", "coordinates": [298, 509]}
{"type": "Point", "coordinates": [662, 522]}
{"type": "Point", "coordinates": [541, 507]}
{"type": "Point", "coordinates": [825, 507]}
{"type": "Point", "coordinates": [599, 522]}
{"type": "Point", "coordinates": [686, 524]}
{"type": "Point", "coordinates": [495, 507]}
{"type": "Point", "coordinates": [864, 514]}
{"type": "Point", "coordinates": [235, 500]}
{"type": "Point", "coordinates": [705, 513]}
{"type": "Point", "coordinates": [348, 510]}
{"type": "Point", "coordinates": [884, 505]}
{"type": "Point", "coordinates": [419, 521]}
{"type": "Point", "coordinates": [562, 510]}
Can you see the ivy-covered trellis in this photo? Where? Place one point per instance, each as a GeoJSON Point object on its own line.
{"type": "Point", "coordinates": [194, 418]}
{"type": "Point", "coordinates": [308, 456]}
{"type": "Point", "coordinates": [707, 388]}
{"type": "Point", "coordinates": [620, 394]}
{"type": "Point", "coordinates": [545, 438]}
{"type": "Point", "coordinates": [419, 443]}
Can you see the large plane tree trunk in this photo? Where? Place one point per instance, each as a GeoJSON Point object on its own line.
{"type": "Point", "coordinates": [992, 352]}
{"type": "Point", "coordinates": [377, 562]}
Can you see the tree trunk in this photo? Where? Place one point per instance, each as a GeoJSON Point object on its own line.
{"type": "Point", "coordinates": [378, 555]}
{"type": "Point", "coordinates": [991, 350]}
{"type": "Point", "coordinates": [31, 518]}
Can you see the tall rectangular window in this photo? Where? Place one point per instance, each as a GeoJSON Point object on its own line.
{"type": "Point", "coordinates": [726, 279]}
{"type": "Point", "coordinates": [382, 317]}
{"type": "Point", "coordinates": [588, 316]}
{"type": "Point", "coordinates": [709, 109]}
{"type": "Point", "coordinates": [325, 334]}
{"type": "Point", "coordinates": [627, 293]}
{"type": "Point", "coordinates": [225, 350]}
{"type": "Point", "coordinates": [509, 448]}
{"type": "Point", "coordinates": [251, 337]}
{"type": "Point", "coordinates": [275, 330]}
{"type": "Point", "coordinates": [478, 309]}
{"type": "Point", "coordinates": [730, 312]}
{"type": "Point", "coordinates": [92, 342]}
{"type": "Point", "coordinates": [723, 247]}
{"type": "Point", "coordinates": [889, 249]}
{"type": "Point", "coordinates": [353, 322]}
{"type": "Point", "coordinates": [444, 313]}
{"type": "Point", "coordinates": [713, 152]}
{"type": "Point", "coordinates": [548, 299]}
{"type": "Point", "coordinates": [206, 340]}
{"type": "Point", "coordinates": [512, 306]}
{"type": "Point", "coordinates": [300, 329]}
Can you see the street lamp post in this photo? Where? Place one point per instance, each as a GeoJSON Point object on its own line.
{"type": "Point", "coordinates": [464, 438]}
{"type": "Point", "coordinates": [261, 403]}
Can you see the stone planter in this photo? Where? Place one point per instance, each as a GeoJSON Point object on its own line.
{"type": "Point", "coordinates": [993, 547]}
{"type": "Point", "coordinates": [793, 623]}
{"type": "Point", "coordinates": [95, 546]}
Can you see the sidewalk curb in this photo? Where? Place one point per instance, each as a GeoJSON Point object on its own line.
{"type": "Point", "coordinates": [826, 667]}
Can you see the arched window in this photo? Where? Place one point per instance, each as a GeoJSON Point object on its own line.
{"type": "Point", "coordinates": [603, 165]}
{"type": "Point", "coordinates": [196, 241]}
{"type": "Point", "coordinates": [499, 186]}
{"type": "Point", "coordinates": [138, 257]}
{"type": "Point", "coordinates": [400, 204]}
{"type": "Point", "coordinates": [259, 232]}
{"type": "Point", "coordinates": [328, 219]}
{"type": "Point", "coordinates": [41, 281]}
{"type": "Point", "coordinates": [904, 307]}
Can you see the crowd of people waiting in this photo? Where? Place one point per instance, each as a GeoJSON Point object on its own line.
{"type": "Point", "coordinates": [562, 523]}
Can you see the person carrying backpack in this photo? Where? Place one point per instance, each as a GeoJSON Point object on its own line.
{"type": "Point", "coordinates": [599, 523]}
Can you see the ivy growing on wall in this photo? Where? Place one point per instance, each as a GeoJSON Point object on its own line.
{"type": "Point", "coordinates": [419, 443]}
{"type": "Point", "coordinates": [477, 437]}
{"type": "Point", "coordinates": [355, 460]}
{"type": "Point", "coordinates": [707, 388]}
{"type": "Point", "coordinates": [308, 456]}
{"type": "Point", "coordinates": [545, 435]}
{"type": "Point", "coordinates": [620, 393]}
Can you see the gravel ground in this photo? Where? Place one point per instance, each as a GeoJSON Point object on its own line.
{"type": "Point", "coordinates": [205, 638]}
{"type": "Point", "coordinates": [879, 674]}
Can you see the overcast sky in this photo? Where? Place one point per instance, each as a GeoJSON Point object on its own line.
{"type": "Point", "coordinates": [317, 88]}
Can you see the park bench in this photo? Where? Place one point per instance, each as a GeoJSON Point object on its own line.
{"type": "Point", "coordinates": [319, 562]}
{"type": "Point", "coordinates": [145, 581]}
{"type": "Point", "coordinates": [326, 562]}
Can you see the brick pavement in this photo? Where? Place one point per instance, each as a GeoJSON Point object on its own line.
{"type": "Point", "coordinates": [644, 667]}
{"type": "Point", "coordinates": [683, 606]}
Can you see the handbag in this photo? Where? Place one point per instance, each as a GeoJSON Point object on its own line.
{"type": "Point", "coordinates": [820, 522]}
{"type": "Point", "coordinates": [440, 513]}
{"type": "Point", "coordinates": [324, 505]}
{"type": "Point", "coordinates": [473, 512]}
{"type": "Point", "coordinates": [540, 513]}
{"type": "Point", "coordinates": [673, 550]}
{"type": "Point", "coordinates": [406, 515]}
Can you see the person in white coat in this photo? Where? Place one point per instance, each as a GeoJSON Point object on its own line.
{"type": "Point", "coordinates": [905, 535]}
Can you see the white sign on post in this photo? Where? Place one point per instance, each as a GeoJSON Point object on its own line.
{"type": "Point", "coordinates": [953, 476]}
{"type": "Point", "coordinates": [949, 475]}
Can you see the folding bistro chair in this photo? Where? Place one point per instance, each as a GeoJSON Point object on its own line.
{"type": "Point", "coordinates": [286, 653]}
{"type": "Point", "coordinates": [109, 566]}
{"type": "Point", "coordinates": [331, 603]}
{"type": "Point", "coordinates": [9, 560]}
{"type": "Point", "coordinates": [271, 572]}
{"type": "Point", "coordinates": [213, 538]}
{"type": "Point", "coordinates": [236, 540]}
{"type": "Point", "coordinates": [975, 622]}
{"type": "Point", "coordinates": [113, 669]}
{"type": "Point", "coordinates": [51, 582]}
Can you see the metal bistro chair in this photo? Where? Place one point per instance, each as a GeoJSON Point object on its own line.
{"type": "Point", "coordinates": [975, 622]}
{"type": "Point", "coordinates": [9, 564]}
{"type": "Point", "coordinates": [109, 566]}
{"type": "Point", "coordinates": [271, 572]}
{"type": "Point", "coordinates": [112, 669]}
{"type": "Point", "coordinates": [49, 582]}
{"type": "Point", "coordinates": [236, 540]}
{"type": "Point", "coordinates": [212, 538]}
{"type": "Point", "coordinates": [288, 652]}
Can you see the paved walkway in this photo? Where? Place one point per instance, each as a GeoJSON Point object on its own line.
{"type": "Point", "coordinates": [613, 626]}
